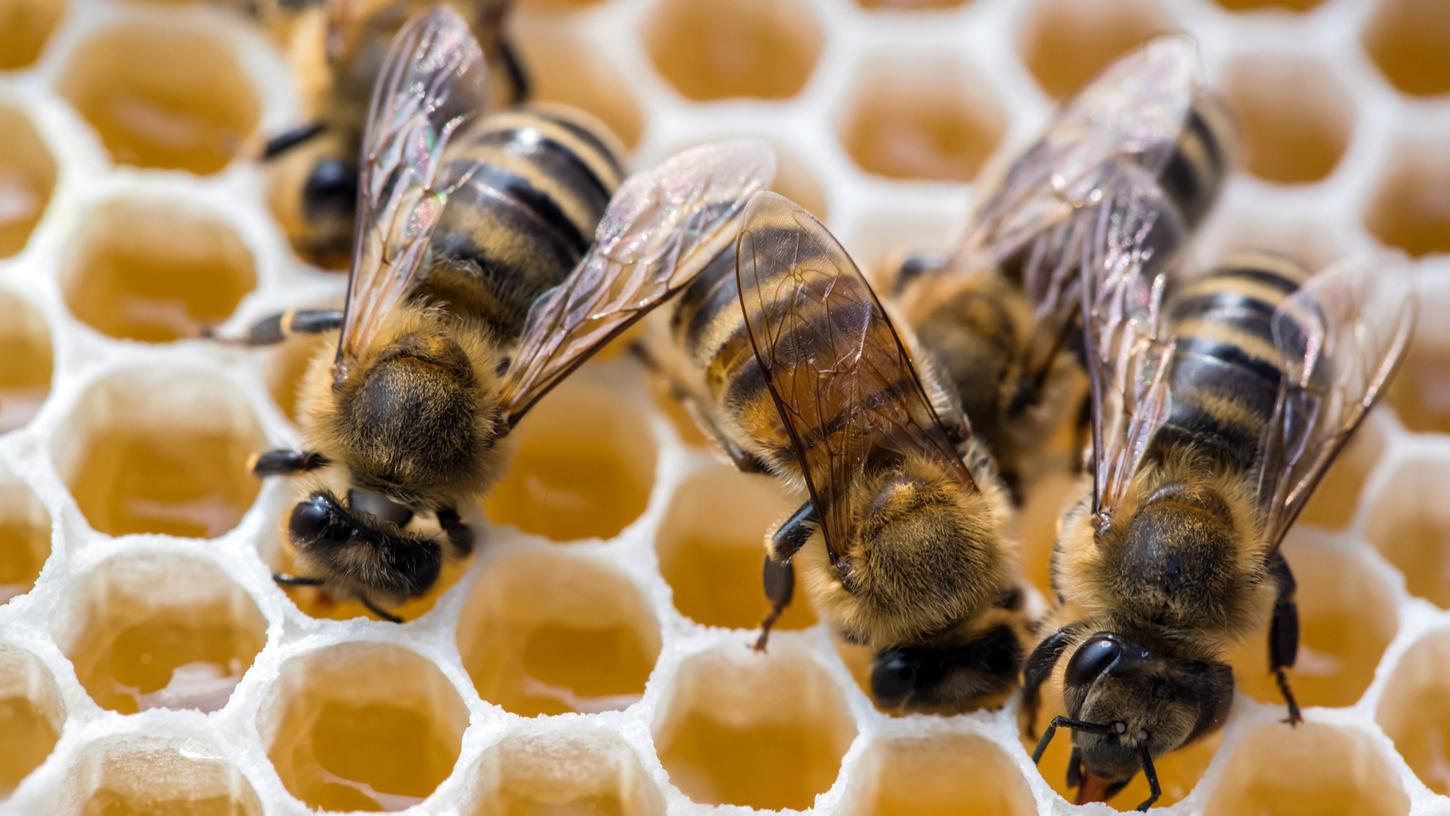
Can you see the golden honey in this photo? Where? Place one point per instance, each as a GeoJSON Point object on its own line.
{"type": "Point", "coordinates": [25, 362]}
{"type": "Point", "coordinates": [30, 716]}
{"type": "Point", "coordinates": [577, 77]}
{"type": "Point", "coordinates": [1293, 120]}
{"type": "Point", "coordinates": [109, 802]}
{"type": "Point", "coordinates": [25, 25]}
{"type": "Point", "coordinates": [1420, 393]}
{"type": "Point", "coordinates": [1415, 712]}
{"type": "Point", "coordinates": [1408, 210]}
{"type": "Point", "coordinates": [582, 467]}
{"type": "Point", "coordinates": [24, 540]}
{"type": "Point", "coordinates": [287, 366]}
{"type": "Point", "coordinates": [1068, 43]}
{"type": "Point", "coordinates": [27, 169]}
{"type": "Point", "coordinates": [157, 272]}
{"type": "Point", "coordinates": [712, 549]}
{"type": "Point", "coordinates": [749, 48]}
{"type": "Point", "coordinates": [365, 727]}
{"type": "Point", "coordinates": [1333, 503]}
{"type": "Point", "coordinates": [1406, 39]}
{"type": "Point", "coordinates": [1413, 529]}
{"type": "Point", "coordinates": [1309, 770]}
{"type": "Point", "coordinates": [956, 775]}
{"type": "Point", "coordinates": [573, 771]}
{"type": "Point", "coordinates": [169, 96]}
{"type": "Point", "coordinates": [902, 129]}
{"type": "Point", "coordinates": [555, 635]}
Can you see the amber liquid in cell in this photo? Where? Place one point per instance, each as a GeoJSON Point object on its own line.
{"type": "Point", "coordinates": [555, 668]}
{"type": "Point", "coordinates": [758, 48]}
{"type": "Point", "coordinates": [1406, 39]}
{"type": "Point", "coordinates": [596, 805]}
{"type": "Point", "coordinates": [1339, 648]}
{"type": "Point", "coordinates": [27, 736]}
{"type": "Point", "coordinates": [1287, 138]}
{"type": "Point", "coordinates": [1068, 48]}
{"type": "Point", "coordinates": [717, 583]}
{"type": "Point", "coordinates": [1254, 5]}
{"type": "Point", "coordinates": [1420, 726]}
{"type": "Point", "coordinates": [1419, 547]}
{"type": "Point", "coordinates": [27, 174]}
{"type": "Point", "coordinates": [571, 488]}
{"type": "Point", "coordinates": [288, 365]}
{"type": "Point", "coordinates": [1335, 500]}
{"type": "Point", "coordinates": [25, 25]}
{"type": "Point", "coordinates": [920, 133]}
{"type": "Point", "coordinates": [763, 765]}
{"type": "Point", "coordinates": [150, 480]}
{"type": "Point", "coordinates": [25, 372]}
{"type": "Point", "coordinates": [961, 780]}
{"type": "Point", "coordinates": [1411, 212]}
{"type": "Point", "coordinates": [1420, 393]}
{"type": "Point", "coordinates": [108, 802]}
{"type": "Point", "coordinates": [24, 546]}
{"type": "Point", "coordinates": [910, 4]}
{"type": "Point", "coordinates": [1319, 780]}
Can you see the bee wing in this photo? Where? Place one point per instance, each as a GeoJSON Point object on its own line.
{"type": "Point", "coordinates": [433, 84]}
{"type": "Point", "coordinates": [662, 227]}
{"type": "Point", "coordinates": [840, 376]}
{"type": "Point", "coordinates": [1340, 339]}
{"type": "Point", "coordinates": [1128, 349]}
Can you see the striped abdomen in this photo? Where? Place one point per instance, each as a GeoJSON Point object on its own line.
{"type": "Point", "coordinates": [538, 181]}
{"type": "Point", "coordinates": [1226, 370]}
{"type": "Point", "coordinates": [1195, 171]}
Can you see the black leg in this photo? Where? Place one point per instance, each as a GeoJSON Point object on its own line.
{"type": "Point", "coordinates": [460, 535]}
{"type": "Point", "coordinates": [794, 532]}
{"type": "Point", "coordinates": [518, 77]}
{"type": "Point", "coordinates": [1284, 633]}
{"type": "Point", "coordinates": [286, 140]}
{"type": "Point", "coordinates": [275, 328]}
{"type": "Point", "coordinates": [380, 612]}
{"type": "Point", "coordinates": [1077, 725]}
{"type": "Point", "coordinates": [1039, 667]}
{"type": "Point", "coordinates": [285, 462]}
{"type": "Point", "coordinates": [779, 580]}
{"type": "Point", "coordinates": [1154, 790]}
{"type": "Point", "coordinates": [283, 579]}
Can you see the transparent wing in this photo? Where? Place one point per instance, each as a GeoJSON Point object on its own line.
{"type": "Point", "coordinates": [433, 84]}
{"type": "Point", "coordinates": [842, 380]}
{"type": "Point", "coordinates": [1341, 337]}
{"type": "Point", "coordinates": [661, 229]}
{"type": "Point", "coordinates": [1128, 350]}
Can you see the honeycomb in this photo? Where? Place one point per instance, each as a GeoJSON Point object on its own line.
{"type": "Point", "coordinates": [591, 659]}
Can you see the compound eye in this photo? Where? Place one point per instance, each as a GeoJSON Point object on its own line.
{"type": "Point", "coordinates": [331, 188]}
{"type": "Point", "coordinates": [893, 679]}
{"type": "Point", "coordinates": [310, 519]}
{"type": "Point", "coordinates": [1091, 659]}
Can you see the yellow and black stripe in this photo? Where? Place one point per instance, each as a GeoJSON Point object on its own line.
{"type": "Point", "coordinates": [538, 182]}
{"type": "Point", "coordinates": [1195, 171]}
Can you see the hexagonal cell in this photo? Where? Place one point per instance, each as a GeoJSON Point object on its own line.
{"type": "Point", "coordinates": [711, 547]}
{"type": "Point", "coordinates": [1346, 618]}
{"type": "Point", "coordinates": [1406, 39]}
{"type": "Point", "coordinates": [1407, 208]}
{"type": "Point", "coordinates": [27, 173]}
{"type": "Point", "coordinates": [24, 537]}
{"type": "Point", "coordinates": [31, 715]}
{"type": "Point", "coordinates": [157, 451]}
{"type": "Point", "coordinates": [25, 361]}
{"type": "Point", "coordinates": [162, 95]}
{"type": "Point", "coordinates": [1295, 6]}
{"type": "Point", "coordinates": [901, 127]}
{"type": "Point", "coordinates": [156, 631]}
{"type": "Point", "coordinates": [947, 775]}
{"type": "Point", "coordinates": [573, 74]}
{"type": "Point", "coordinates": [581, 771]}
{"type": "Point", "coordinates": [551, 634]}
{"type": "Point", "coordinates": [583, 466]}
{"type": "Point", "coordinates": [1409, 523]}
{"type": "Point", "coordinates": [1066, 43]}
{"type": "Point", "coordinates": [362, 726]}
{"type": "Point", "coordinates": [764, 731]}
{"type": "Point", "coordinates": [25, 26]}
{"type": "Point", "coordinates": [150, 776]}
{"type": "Point", "coordinates": [1420, 393]}
{"type": "Point", "coordinates": [1294, 118]}
{"type": "Point", "coordinates": [155, 270]}
{"type": "Point", "coordinates": [1336, 499]}
{"type": "Point", "coordinates": [1307, 770]}
{"type": "Point", "coordinates": [1415, 712]}
{"type": "Point", "coordinates": [751, 48]}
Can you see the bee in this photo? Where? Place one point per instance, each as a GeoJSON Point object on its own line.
{"type": "Point", "coordinates": [1216, 411]}
{"type": "Point", "coordinates": [318, 189]}
{"type": "Point", "coordinates": [473, 291]}
{"type": "Point", "coordinates": [998, 315]}
{"type": "Point", "coordinates": [786, 356]}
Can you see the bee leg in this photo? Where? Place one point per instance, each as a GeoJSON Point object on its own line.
{"type": "Point", "coordinates": [283, 579]}
{"type": "Point", "coordinates": [1151, 773]}
{"type": "Point", "coordinates": [286, 140]}
{"type": "Point", "coordinates": [743, 460]}
{"type": "Point", "coordinates": [779, 581]}
{"type": "Point", "coordinates": [1039, 667]}
{"type": "Point", "coordinates": [379, 611]}
{"type": "Point", "coordinates": [1284, 633]}
{"type": "Point", "coordinates": [460, 535]}
{"type": "Point", "coordinates": [278, 327]}
{"type": "Point", "coordinates": [517, 76]}
{"type": "Point", "coordinates": [793, 533]}
{"type": "Point", "coordinates": [914, 266]}
{"type": "Point", "coordinates": [285, 462]}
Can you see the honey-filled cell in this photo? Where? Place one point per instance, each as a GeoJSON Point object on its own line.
{"type": "Point", "coordinates": [711, 548]}
{"type": "Point", "coordinates": [1346, 618]}
{"type": "Point", "coordinates": [1308, 770]}
{"type": "Point", "coordinates": [708, 51]}
{"type": "Point", "coordinates": [31, 715]}
{"type": "Point", "coordinates": [553, 634]}
{"type": "Point", "coordinates": [154, 631]}
{"type": "Point", "coordinates": [1414, 710]}
{"type": "Point", "coordinates": [1406, 209]}
{"type": "Point", "coordinates": [1293, 118]}
{"type": "Point", "coordinates": [572, 73]}
{"type": "Point", "coordinates": [1409, 523]}
{"type": "Point", "coordinates": [148, 776]}
{"type": "Point", "coordinates": [758, 730]}
{"type": "Point", "coordinates": [157, 451]}
{"type": "Point", "coordinates": [1406, 40]}
{"type": "Point", "coordinates": [1336, 499]}
{"type": "Point", "coordinates": [25, 361]}
{"type": "Point", "coordinates": [582, 467]}
{"type": "Point", "coordinates": [581, 771]}
{"type": "Point", "coordinates": [1066, 43]}
{"type": "Point", "coordinates": [162, 95]}
{"type": "Point", "coordinates": [901, 127]}
{"type": "Point", "coordinates": [24, 537]}
{"type": "Point", "coordinates": [946, 775]}
{"type": "Point", "coordinates": [156, 271]}
{"type": "Point", "coordinates": [25, 27]}
{"type": "Point", "coordinates": [362, 726]}
{"type": "Point", "coordinates": [27, 171]}
{"type": "Point", "coordinates": [287, 366]}
{"type": "Point", "coordinates": [1420, 393]}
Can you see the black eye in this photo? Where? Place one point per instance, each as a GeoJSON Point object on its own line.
{"type": "Point", "coordinates": [893, 678]}
{"type": "Point", "coordinates": [331, 188]}
{"type": "Point", "coordinates": [310, 519]}
{"type": "Point", "coordinates": [1092, 659]}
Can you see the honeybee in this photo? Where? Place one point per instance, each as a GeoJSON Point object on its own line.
{"type": "Point", "coordinates": [473, 291]}
{"type": "Point", "coordinates": [1215, 414]}
{"type": "Point", "coordinates": [999, 313]}
{"type": "Point", "coordinates": [318, 189]}
{"type": "Point", "coordinates": [785, 355]}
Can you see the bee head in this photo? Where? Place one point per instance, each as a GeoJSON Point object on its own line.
{"type": "Point", "coordinates": [363, 548]}
{"type": "Point", "coordinates": [981, 672]}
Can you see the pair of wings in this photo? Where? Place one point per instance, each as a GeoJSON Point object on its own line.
{"type": "Point", "coordinates": [660, 229]}
{"type": "Point", "coordinates": [1131, 114]}
{"type": "Point", "coordinates": [1339, 339]}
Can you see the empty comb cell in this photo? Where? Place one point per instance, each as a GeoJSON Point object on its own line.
{"type": "Point", "coordinates": [25, 361]}
{"type": "Point", "coordinates": [552, 634]}
{"type": "Point", "coordinates": [1308, 770]}
{"type": "Point", "coordinates": [27, 171]}
{"type": "Point", "coordinates": [580, 771]}
{"type": "Point", "coordinates": [24, 537]}
{"type": "Point", "coordinates": [1065, 43]}
{"type": "Point", "coordinates": [152, 776]}
{"type": "Point", "coordinates": [1294, 118]}
{"type": "Point", "coordinates": [1415, 712]}
{"type": "Point", "coordinates": [942, 775]}
{"type": "Point", "coordinates": [362, 726]}
{"type": "Point", "coordinates": [25, 27]}
{"type": "Point", "coordinates": [751, 48]}
{"type": "Point", "coordinates": [1410, 526]}
{"type": "Point", "coordinates": [31, 715]}
{"type": "Point", "coordinates": [711, 547]}
{"type": "Point", "coordinates": [736, 718]}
